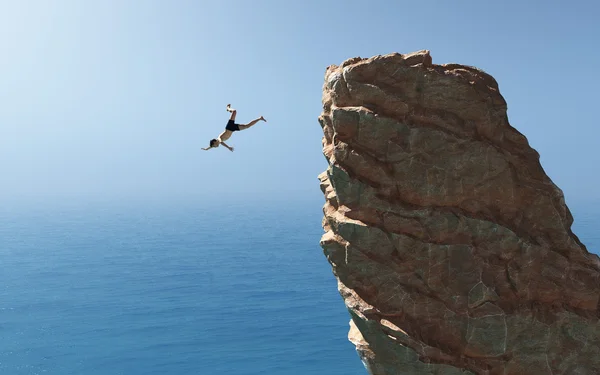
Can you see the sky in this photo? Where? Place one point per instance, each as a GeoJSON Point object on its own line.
{"type": "Point", "coordinates": [114, 99]}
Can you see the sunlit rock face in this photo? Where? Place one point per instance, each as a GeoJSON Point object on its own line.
{"type": "Point", "coordinates": [452, 248]}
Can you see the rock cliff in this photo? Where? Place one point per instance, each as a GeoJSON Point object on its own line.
{"type": "Point", "coordinates": [452, 248]}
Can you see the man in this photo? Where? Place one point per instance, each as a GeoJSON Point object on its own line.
{"type": "Point", "coordinates": [229, 129]}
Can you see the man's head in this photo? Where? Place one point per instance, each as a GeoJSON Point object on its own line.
{"type": "Point", "coordinates": [214, 142]}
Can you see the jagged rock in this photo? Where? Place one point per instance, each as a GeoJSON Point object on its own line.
{"type": "Point", "coordinates": [452, 248]}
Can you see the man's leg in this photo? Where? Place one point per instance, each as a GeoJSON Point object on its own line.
{"type": "Point", "coordinates": [246, 126]}
{"type": "Point", "coordinates": [233, 112]}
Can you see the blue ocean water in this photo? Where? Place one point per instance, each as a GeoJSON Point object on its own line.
{"type": "Point", "coordinates": [176, 289]}
{"type": "Point", "coordinates": [164, 289]}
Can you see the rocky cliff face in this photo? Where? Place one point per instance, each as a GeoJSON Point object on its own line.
{"type": "Point", "coordinates": [452, 248]}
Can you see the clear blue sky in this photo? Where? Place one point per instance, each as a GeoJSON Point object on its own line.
{"type": "Point", "coordinates": [115, 98]}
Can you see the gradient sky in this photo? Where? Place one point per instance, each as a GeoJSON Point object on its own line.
{"type": "Point", "coordinates": [116, 98]}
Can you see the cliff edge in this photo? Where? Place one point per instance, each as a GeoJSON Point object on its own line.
{"type": "Point", "coordinates": [452, 248]}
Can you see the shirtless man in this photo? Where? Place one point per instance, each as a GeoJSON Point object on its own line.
{"type": "Point", "coordinates": [229, 129]}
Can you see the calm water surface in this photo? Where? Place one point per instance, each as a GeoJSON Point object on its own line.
{"type": "Point", "coordinates": [182, 289]}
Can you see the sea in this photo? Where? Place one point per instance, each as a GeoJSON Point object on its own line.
{"type": "Point", "coordinates": [183, 288]}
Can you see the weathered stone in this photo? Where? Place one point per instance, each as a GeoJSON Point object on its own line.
{"type": "Point", "coordinates": [452, 248]}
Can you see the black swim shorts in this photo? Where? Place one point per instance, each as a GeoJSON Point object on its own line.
{"type": "Point", "coordinates": [232, 126]}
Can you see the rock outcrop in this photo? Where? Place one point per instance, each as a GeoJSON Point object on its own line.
{"type": "Point", "coordinates": [452, 248]}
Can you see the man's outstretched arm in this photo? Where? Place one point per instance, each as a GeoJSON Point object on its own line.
{"type": "Point", "coordinates": [225, 144]}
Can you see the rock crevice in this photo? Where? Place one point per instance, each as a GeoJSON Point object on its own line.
{"type": "Point", "coordinates": [452, 248]}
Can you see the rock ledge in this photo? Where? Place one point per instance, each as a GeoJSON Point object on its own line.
{"type": "Point", "coordinates": [452, 248]}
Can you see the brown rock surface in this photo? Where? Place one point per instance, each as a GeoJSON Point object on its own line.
{"type": "Point", "coordinates": [452, 248]}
